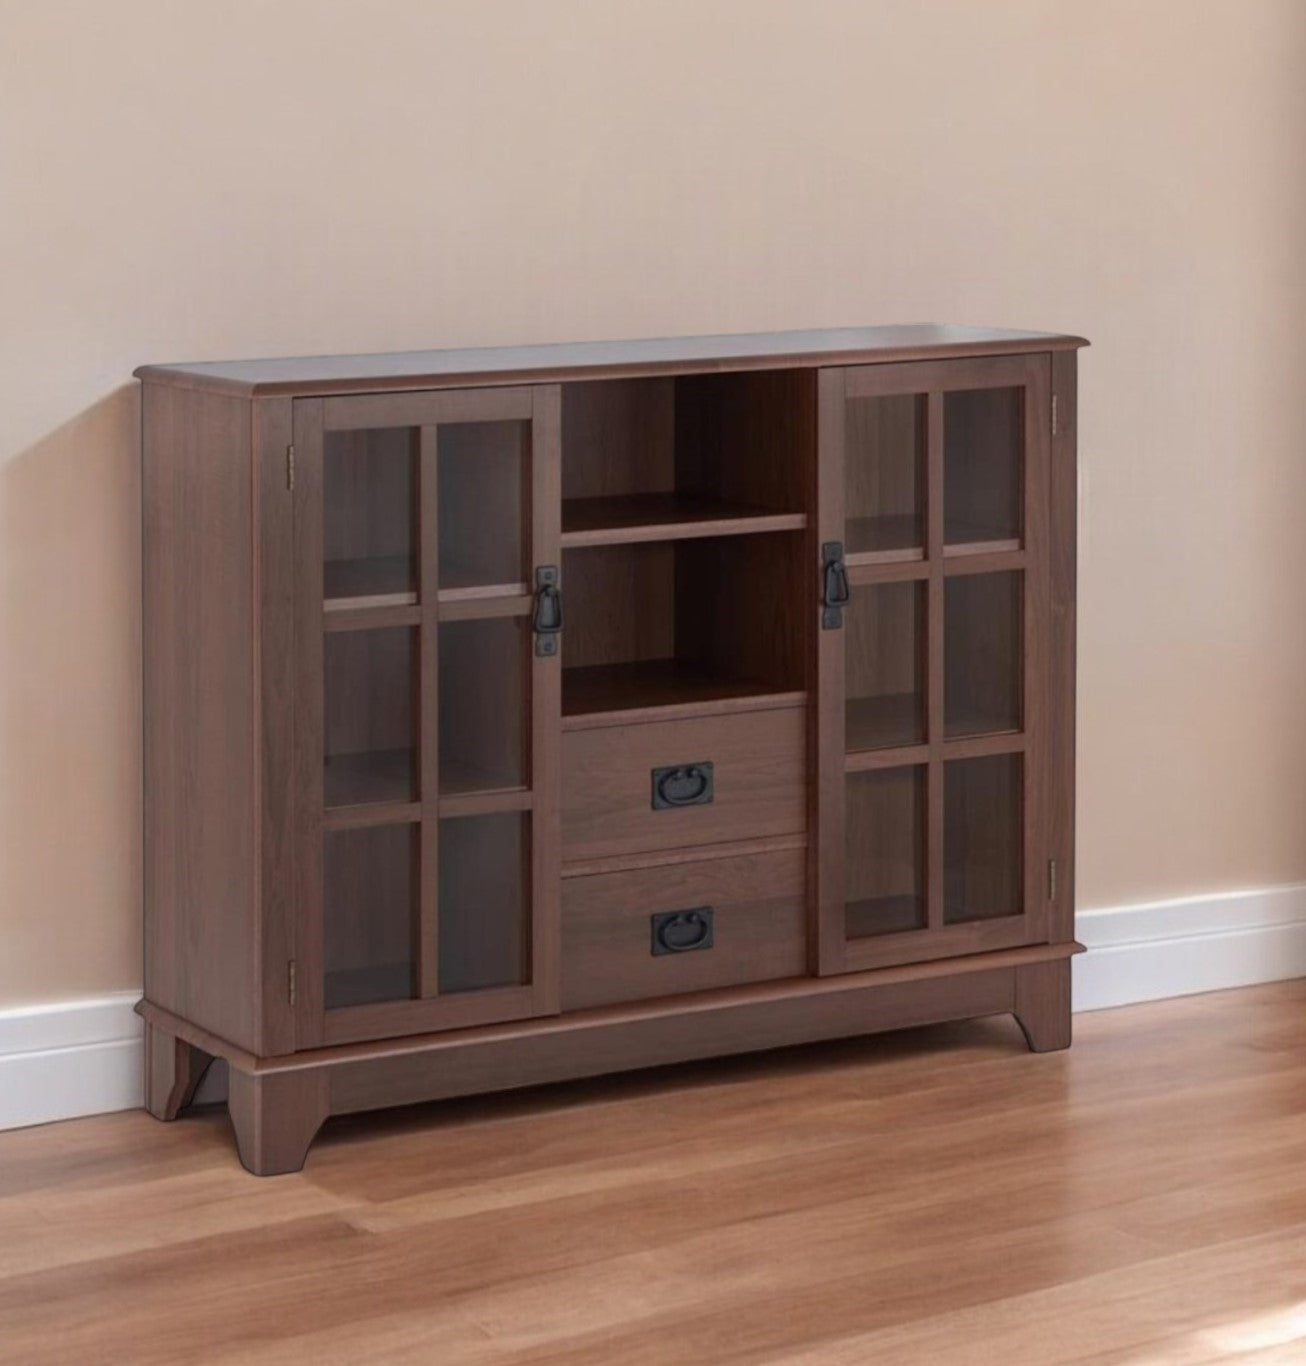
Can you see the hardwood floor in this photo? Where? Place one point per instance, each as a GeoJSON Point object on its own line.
{"type": "Point", "coordinates": [939, 1196]}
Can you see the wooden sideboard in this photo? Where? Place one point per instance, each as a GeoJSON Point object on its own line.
{"type": "Point", "coordinates": [521, 714]}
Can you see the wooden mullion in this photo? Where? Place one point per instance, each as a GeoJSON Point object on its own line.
{"type": "Point", "coordinates": [1002, 562]}
{"type": "Point", "coordinates": [934, 722]}
{"type": "Point", "coordinates": [426, 409]}
{"type": "Point", "coordinates": [826, 815]}
{"type": "Point", "coordinates": [427, 928]}
{"type": "Point", "coordinates": [922, 377]}
{"type": "Point", "coordinates": [371, 618]}
{"type": "Point", "coordinates": [861, 574]}
{"type": "Point", "coordinates": [367, 814]}
{"type": "Point", "coordinates": [309, 725]}
{"type": "Point", "coordinates": [545, 710]}
{"type": "Point", "coordinates": [485, 607]}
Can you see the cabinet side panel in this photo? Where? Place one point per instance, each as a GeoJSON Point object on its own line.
{"type": "Point", "coordinates": [1063, 486]}
{"type": "Point", "coordinates": [198, 679]}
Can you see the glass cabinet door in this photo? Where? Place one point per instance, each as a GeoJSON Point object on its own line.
{"type": "Point", "coordinates": [424, 792]}
{"type": "Point", "coordinates": [932, 521]}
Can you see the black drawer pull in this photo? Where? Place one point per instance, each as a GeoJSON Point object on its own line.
{"type": "Point", "coordinates": [682, 785]}
{"type": "Point", "coordinates": [682, 931]}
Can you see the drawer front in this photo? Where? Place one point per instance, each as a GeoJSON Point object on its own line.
{"type": "Point", "coordinates": [676, 784]}
{"type": "Point", "coordinates": [754, 906]}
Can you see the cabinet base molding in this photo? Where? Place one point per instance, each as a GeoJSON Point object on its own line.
{"type": "Point", "coordinates": [277, 1105]}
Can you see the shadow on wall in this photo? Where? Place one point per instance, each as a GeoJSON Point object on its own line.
{"type": "Point", "coordinates": [70, 688]}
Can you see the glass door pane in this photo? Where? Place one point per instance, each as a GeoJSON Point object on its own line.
{"type": "Point", "coordinates": [370, 712]}
{"type": "Point", "coordinates": [885, 852]}
{"type": "Point", "coordinates": [884, 647]}
{"type": "Point", "coordinates": [884, 476]}
{"type": "Point", "coordinates": [369, 516]}
{"type": "Point", "coordinates": [983, 469]}
{"type": "Point", "coordinates": [483, 503]}
{"type": "Point", "coordinates": [484, 692]}
{"type": "Point", "coordinates": [983, 651]}
{"type": "Point", "coordinates": [370, 879]}
{"type": "Point", "coordinates": [983, 843]}
{"type": "Point", "coordinates": [485, 880]}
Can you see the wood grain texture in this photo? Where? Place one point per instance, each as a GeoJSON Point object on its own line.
{"type": "Point", "coordinates": [618, 440]}
{"type": "Point", "coordinates": [545, 844]}
{"type": "Point", "coordinates": [200, 732]}
{"type": "Point", "coordinates": [1043, 1005]}
{"type": "Point", "coordinates": [612, 359]}
{"type": "Point", "coordinates": [274, 580]}
{"type": "Point", "coordinates": [309, 724]}
{"type": "Point", "coordinates": [713, 637]}
{"type": "Point", "coordinates": [930, 1196]}
{"type": "Point", "coordinates": [758, 772]}
{"type": "Point", "coordinates": [759, 930]}
{"type": "Point", "coordinates": [275, 1118]}
{"type": "Point", "coordinates": [173, 1070]}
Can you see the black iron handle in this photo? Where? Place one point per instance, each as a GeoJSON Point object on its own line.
{"type": "Point", "coordinates": [682, 785]}
{"type": "Point", "coordinates": [682, 931]}
{"type": "Point", "coordinates": [835, 594]}
{"type": "Point", "coordinates": [547, 621]}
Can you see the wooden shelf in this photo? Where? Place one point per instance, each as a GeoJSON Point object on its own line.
{"type": "Point", "coordinates": [386, 581]}
{"type": "Point", "coordinates": [657, 684]}
{"type": "Point", "coordinates": [665, 517]}
{"type": "Point", "coordinates": [389, 778]}
{"type": "Point", "coordinates": [459, 778]}
{"type": "Point", "coordinates": [884, 915]}
{"type": "Point", "coordinates": [886, 722]}
{"type": "Point", "coordinates": [973, 538]}
{"type": "Point", "coordinates": [388, 775]}
{"type": "Point", "coordinates": [884, 540]}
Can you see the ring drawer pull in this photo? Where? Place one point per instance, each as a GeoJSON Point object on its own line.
{"type": "Point", "coordinates": [682, 785]}
{"type": "Point", "coordinates": [682, 931]}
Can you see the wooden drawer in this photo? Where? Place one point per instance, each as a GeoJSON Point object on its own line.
{"type": "Point", "coordinates": [757, 920]}
{"type": "Point", "coordinates": [757, 766]}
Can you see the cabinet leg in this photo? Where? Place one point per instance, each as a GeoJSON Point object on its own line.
{"type": "Point", "coordinates": [173, 1069]}
{"type": "Point", "coordinates": [1043, 1005]}
{"type": "Point", "coordinates": [276, 1117]}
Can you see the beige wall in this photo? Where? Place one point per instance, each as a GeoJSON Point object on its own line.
{"type": "Point", "coordinates": [188, 181]}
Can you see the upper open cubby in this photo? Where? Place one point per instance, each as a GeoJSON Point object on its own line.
{"type": "Point", "coordinates": [675, 457]}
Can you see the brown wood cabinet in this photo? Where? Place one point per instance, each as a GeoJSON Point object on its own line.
{"type": "Point", "coordinates": [521, 714]}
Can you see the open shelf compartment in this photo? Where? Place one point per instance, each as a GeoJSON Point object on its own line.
{"type": "Point", "coordinates": [685, 456]}
{"type": "Point", "coordinates": [682, 623]}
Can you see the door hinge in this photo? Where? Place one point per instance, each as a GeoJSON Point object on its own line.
{"type": "Point", "coordinates": [1054, 415]}
{"type": "Point", "coordinates": [1052, 879]}
{"type": "Point", "coordinates": [290, 467]}
{"type": "Point", "coordinates": [290, 981]}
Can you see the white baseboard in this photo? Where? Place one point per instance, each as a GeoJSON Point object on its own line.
{"type": "Point", "coordinates": [86, 1057]}
{"type": "Point", "coordinates": [81, 1057]}
{"type": "Point", "coordinates": [1200, 943]}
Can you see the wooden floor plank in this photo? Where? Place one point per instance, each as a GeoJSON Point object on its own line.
{"type": "Point", "coordinates": [939, 1195]}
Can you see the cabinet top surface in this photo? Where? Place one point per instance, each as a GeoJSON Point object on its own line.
{"type": "Point", "coordinates": [606, 359]}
